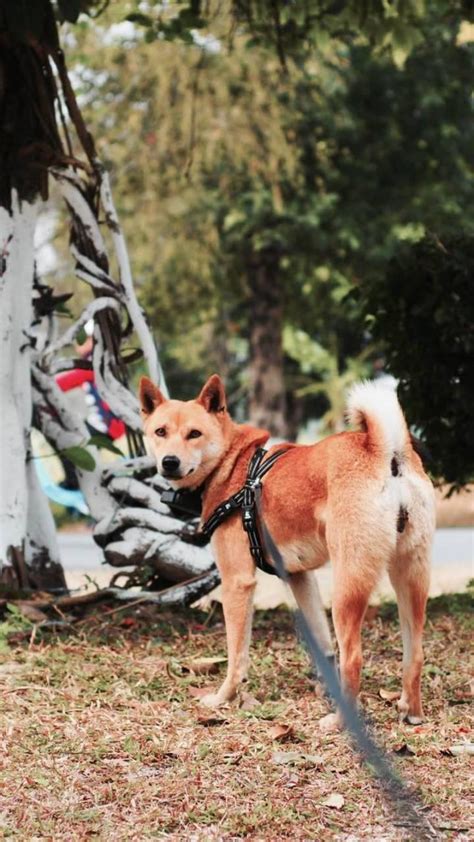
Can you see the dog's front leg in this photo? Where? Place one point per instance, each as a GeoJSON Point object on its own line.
{"type": "Point", "coordinates": [237, 571]}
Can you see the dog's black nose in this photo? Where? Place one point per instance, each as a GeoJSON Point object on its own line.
{"type": "Point", "coordinates": [170, 464]}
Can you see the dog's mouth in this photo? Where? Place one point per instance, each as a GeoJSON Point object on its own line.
{"type": "Point", "coordinates": [176, 475]}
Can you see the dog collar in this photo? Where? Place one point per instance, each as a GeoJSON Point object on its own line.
{"type": "Point", "coordinates": [183, 501]}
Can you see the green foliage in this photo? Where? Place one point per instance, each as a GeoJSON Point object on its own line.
{"type": "Point", "coordinates": [221, 160]}
{"type": "Point", "coordinates": [423, 313]}
{"type": "Point", "coordinates": [101, 441]}
{"type": "Point", "coordinates": [15, 621]}
{"type": "Point", "coordinates": [178, 25]}
{"type": "Point", "coordinates": [292, 30]}
{"type": "Point", "coordinates": [80, 457]}
{"type": "Point", "coordinates": [321, 366]}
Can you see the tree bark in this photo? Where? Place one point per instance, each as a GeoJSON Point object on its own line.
{"type": "Point", "coordinates": [28, 141]}
{"type": "Point", "coordinates": [267, 402]}
{"type": "Point", "coordinates": [42, 558]}
{"type": "Point", "coordinates": [16, 287]}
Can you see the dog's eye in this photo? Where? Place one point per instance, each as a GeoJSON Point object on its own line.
{"type": "Point", "coordinates": [194, 434]}
{"type": "Point", "coordinates": [161, 431]}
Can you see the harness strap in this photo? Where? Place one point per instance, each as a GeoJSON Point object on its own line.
{"type": "Point", "coordinates": [222, 512]}
{"type": "Point", "coordinates": [245, 500]}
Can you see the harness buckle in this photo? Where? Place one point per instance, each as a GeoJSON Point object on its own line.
{"type": "Point", "coordinates": [248, 514]}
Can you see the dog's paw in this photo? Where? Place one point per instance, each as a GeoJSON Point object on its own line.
{"type": "Point", "coordinates": [330, 723]}
{"type": "Point", "coordinates": [410, 718]}
{"type": "Point", "coordinates": [405, 716]}
{"type": "Point", "coordinates": [413, 720]}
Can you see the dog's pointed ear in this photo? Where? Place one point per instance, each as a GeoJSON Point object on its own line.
{"type": "Point", "coordinates": [212, 395]}
{"type": "Point", "coordinates": [150, 396]}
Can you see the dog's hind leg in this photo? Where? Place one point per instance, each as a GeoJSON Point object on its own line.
{"type": "Point", "coordinates": [308, 597]}
{"type": "Point", "coordinates": [410, 578]}
{"type": "Point", "coordinates": [350, 600]}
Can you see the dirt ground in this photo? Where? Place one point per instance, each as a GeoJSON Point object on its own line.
{"type": "Point", "coordinates": [102, 736]}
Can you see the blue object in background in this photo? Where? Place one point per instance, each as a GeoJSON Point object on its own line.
{"type": "Point", "coordinates": [71, 499]}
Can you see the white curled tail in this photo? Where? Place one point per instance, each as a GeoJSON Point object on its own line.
{"type": "Point", "coordinates": [373, 406]}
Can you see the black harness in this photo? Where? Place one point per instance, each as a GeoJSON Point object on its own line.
{"type": "Point", "coordinates": [243, 500]}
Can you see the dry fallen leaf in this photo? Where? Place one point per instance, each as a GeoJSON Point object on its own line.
{"type": "Point", "coordinates": [203, 666]}
{"type": "Point", "coordinates": [199, 692]}
{"type": "Point", "coordinates": [459, 749]}
{"type": "Point", "coordinates": [404, 750]}
{"type": "Point", "coordinates": [10, 668]}
{"type": "Point", "coordinates": [30, 612]}
{"type": "Point", "coordinates": [208, 720]}
{"type": "Point", "coordinates": [286, 758]}
{"type": "Point", "coordinates": [336, 801]}
{"type": "Point", "coordinates": [422, 729]}
{"type": "Point", "coordinates": [248, 702]}
{"type": "Point", "coordinates": [389, 695]}
{"type": "Point", "coordinates": [281, 732]}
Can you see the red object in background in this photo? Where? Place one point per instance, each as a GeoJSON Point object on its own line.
{"type": "Point", "coordinates": [116, 427]}
{"type": "Point", "coordinates": [68, 380]}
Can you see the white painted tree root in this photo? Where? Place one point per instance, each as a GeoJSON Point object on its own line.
{"type": "Point", "coordinates": [121, 401]}
{"type": "Point", "coordinates": [173, 559]}
{"type": "Point", "coordinates": [182, 594]}
{"type": "Point", "coordinates": [136, 313]}
{"type": "Point", "coordinates": [137, 516]}
{"type": "Point", "coordinates": [124, 488]}
{"type": "Point", "coordinates": [89, 312]}
{"type": "Point", "coordinates": [134, 527]}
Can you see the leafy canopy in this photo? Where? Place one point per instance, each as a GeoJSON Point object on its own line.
{"type": "Point", "coordinates": [336, 135]}
{"type": "Point", "coordinates": [423, 314]}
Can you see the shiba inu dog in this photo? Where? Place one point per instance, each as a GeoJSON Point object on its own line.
{"type": "Point", "coordinates": [361, 499]}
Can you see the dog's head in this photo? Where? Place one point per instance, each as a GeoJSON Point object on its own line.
{"type": "Point", "coordinates": [187, 438]}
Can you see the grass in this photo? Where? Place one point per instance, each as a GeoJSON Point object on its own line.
{"type": "Point", "coordinates": [102, 736]}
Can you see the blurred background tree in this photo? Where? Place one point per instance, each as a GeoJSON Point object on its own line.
{"type": "Point", "coordinates": [281, 170]}
{"type": "Point", "coordinates": [270, 164]}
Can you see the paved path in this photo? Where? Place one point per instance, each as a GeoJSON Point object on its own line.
{"type": "Point", "coordinates": [453, 566]}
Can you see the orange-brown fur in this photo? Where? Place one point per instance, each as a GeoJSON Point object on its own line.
{"type": "Point", "coordinates": [336, 499]}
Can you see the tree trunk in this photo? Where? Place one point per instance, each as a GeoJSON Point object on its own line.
{"type": "Point", "coordinates": [267, 403]}
{"type": "Point", "coordinates": [28, 548]}
{"type": "Point", "coordinates": [31, 147]}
